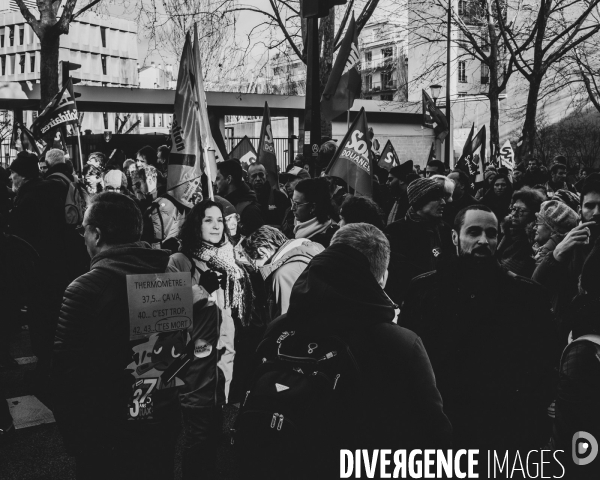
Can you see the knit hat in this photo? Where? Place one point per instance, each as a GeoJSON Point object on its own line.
{"type": "Point", "coordinates": [423, 188]}
{"type": "Point", "coordinates": [26, 165]}
{"type": "Point", "coordinates": [228, 208]}
{"type": "Point", "coordinates": [558, 216]}
{"type": "Point", "coordinates": [115, 179]}
{"type": "Point", "coordinates": [565, 196]}
{"type": "Point", "coordinates": [488, 174]}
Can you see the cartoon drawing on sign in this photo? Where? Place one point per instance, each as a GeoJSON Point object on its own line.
{"type": "Point", "coordinates": [150, 359]}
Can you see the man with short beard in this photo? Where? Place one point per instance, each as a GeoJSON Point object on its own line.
{"type": "Point", "coordinates": [486, 332]}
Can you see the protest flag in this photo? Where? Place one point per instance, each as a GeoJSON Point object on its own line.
{"type": "Point", "coordinates": [206, 138]}
{"type": "Point", "coordinates": [185, 160]}
{"type": "Point", "coordinates": [23, 140]}
{"type": "Point", "coordinates": [343, 85]}
{"type": "Point", "coordinates": [61, 110]}
{"type": "Point", "coordinates": [434, 118]}
{"type": "Point", "coordinates": [244, 151]}
{"type": "Point", "coordinates": [266, 149]}
{"type": "Point", "coordinates": [388, 158]}
{"type": "Point", "coordinates": [507, 156]}
{"type": "Point", "coordinates": [431, 156]}
{"type": "Point", "coordinates": [352, 162]}
{"type": "Point", "coordinates": [471, 160]}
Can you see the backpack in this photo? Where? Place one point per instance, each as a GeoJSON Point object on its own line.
{"type": "Point", "coordinates": [297, 408]}
{"type": "Point", "coordinates": [76, 201]}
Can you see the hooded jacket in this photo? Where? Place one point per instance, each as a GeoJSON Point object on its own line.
{"type": "Point", "coordinates": [488, 335]}
{"type": "Point", "coordinates": [246, 204]}
{"type": "Point", "coordinates": [92, 351]}
{"type": "Point", "coordinates": [397, 402]}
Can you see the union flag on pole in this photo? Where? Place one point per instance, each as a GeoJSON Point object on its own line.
{"type": "Point", "coordinates": [61, 110]}
{"type": "Point", "coordinates": [22, 140]}
{"type": "Point", "coordinates": [244, 151]}
{"type": "Point", "coordinates": [344, 82]}
{"type": "Point", "coordinates": [388, 158]}
{"type": "Point", "coordinates": [352, 162]}
{"type": "Point", "coordinates": [434, 118]}
{"type": "Point", "coordinates": [471, 160]}
{"type": "Point", "coordinates": [185, 160]}
{"type": "Point", "coordinates": [266, 149]}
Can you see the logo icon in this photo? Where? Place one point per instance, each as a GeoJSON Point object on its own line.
{"type": "Point", "coordinates": [584, 448]}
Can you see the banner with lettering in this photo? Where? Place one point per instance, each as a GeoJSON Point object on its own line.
{"type": "Point", "coordinates": [266, 149]}
{"type": "Point", "coordinates": [185, 160]}
{"type": "Point", "coordinates": [352, 162]}
{"type": "Point", "coordinates": [388, 158]}
{"type": "Point", "coordinates": [61, 110]}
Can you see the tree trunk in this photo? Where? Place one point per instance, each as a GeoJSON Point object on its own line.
{"type": "Point", "coordinates": [529, 126]}
{"type": "Point", "coordinates": [494, 128]}
{"type": "Point", "coordinates": [326, 62]}
{"type": "Point", "coordinates": [49, 67]}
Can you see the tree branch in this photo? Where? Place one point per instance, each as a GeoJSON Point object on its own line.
{"type": "Point", "coordinates": [29, 18]}
{"type": "Point", "coordinates": [84, 9]}
{"type": "Point", "coordinates": [66, 17]}
{"type": "Point", "coordinates": [285, 32]}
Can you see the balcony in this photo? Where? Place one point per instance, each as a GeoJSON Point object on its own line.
{"type": "Point", "coordinates": [381, 64]}
{"type": "Point", "coordinates": [378, 87]}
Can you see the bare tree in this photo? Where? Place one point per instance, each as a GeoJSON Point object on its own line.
{"type": "Point", "coordinates": [538, 35]}
{"type": "Point", "coordinates": [48, 28]}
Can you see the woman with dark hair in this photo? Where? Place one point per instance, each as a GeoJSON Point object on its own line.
{"type": "Point", "coordinates": [314, 211]}
{"type": "Point", "coordinates": [222, 301]}
{"type": "Point", "coordinates": [498, 196]}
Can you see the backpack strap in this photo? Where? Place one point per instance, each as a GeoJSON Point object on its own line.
{"type": "Point", "coordinates": [267, 270]}
{"type": "Point", "coordinates": [62, 176]}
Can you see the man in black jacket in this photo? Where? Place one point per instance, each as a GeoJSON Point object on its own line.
{"type": "Point", "coordinates": [420, 239]}
{"type": "Point", "coordinates": [486, 331]}
{"type": "Point", "coordinates": [96, 396]}
{"type": "Point", "coordinates": [272, 201]}
{"type": "Point", "coordinates": [341, 293]}
{"type": "Point", "coordinates": [461, 197]}
{"type": "Point", "coordinates": [231, 186]}
{"type": "Point", "coordinates": [38, 217]}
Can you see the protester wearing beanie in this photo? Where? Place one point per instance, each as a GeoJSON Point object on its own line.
{"type": "Point", "coordinates": [554, 220]}
{"type": "Point", "coordinates": [420, 238]}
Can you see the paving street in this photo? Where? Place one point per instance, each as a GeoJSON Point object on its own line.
{"type": "Point", "coordinates": [36, 452]}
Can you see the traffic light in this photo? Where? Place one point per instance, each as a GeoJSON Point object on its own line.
{"type": "Point", "coordinates": [65, 72]}
{"type": "Point", "coordinates": [318, 8]}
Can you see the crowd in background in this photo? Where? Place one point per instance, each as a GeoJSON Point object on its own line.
{"type": "Point", "coordinates": [494, 280]}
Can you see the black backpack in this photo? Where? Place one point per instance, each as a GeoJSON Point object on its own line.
{"type": "Point", "coordinates": [298, 407]}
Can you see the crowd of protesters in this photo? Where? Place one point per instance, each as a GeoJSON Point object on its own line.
{"type": "Point", "coordinates": [464, 298]}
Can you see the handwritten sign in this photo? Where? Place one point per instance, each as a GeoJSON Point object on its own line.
{"type": "Point", "coordinates": [159, 302]}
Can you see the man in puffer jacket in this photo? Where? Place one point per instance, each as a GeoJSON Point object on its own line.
{"type": "Point", "coordinates": [96, 404]}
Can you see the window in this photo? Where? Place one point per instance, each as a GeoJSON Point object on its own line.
{"type": "Point", "coordinates": [462, 7]}
{"type": "Point", "coordinates": [2, 39]}
{"type": "Point", "coordinates": [103, 60]}
{"type": "Point", "coordinates": [387, 97]}
{"type": "Point", "coordinates": [103, 35]}
{"type": "Point", "coordinates": [21, 35]}
{"type": "Point", "coordinates": [3, 60]}
{"type": "Point", "coordinates": [485, 73]}
{"type": "Point", "coordinates": [369, 98]}
{"type": "Point", "coordinates": [368, 83]}
{"type": "Point", "coordinates": [11, 36]}
{"type": "Point", "coordinates": [485, 40]}
{"type": "Point", "coordinates": [462, 72]}
{"type": "Point", "coordinates": [368, 59]}
{"type": "Point", "coordinates": [387, 52]}
{"type": "Point", "coordinates": [462, 94]}
{"type": "Point", "coordinates": [22, 63]}
{"type": "Point", "coordinates": [32, 62]}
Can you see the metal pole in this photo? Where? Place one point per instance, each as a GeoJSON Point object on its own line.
{"type": "Point", "coordinates": [80, 151]}
{"type": "Point", "coordinates": [448, 76]}
{"type": "Point", "coordinates": [312, 113]}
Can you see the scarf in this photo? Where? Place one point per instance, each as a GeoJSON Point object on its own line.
{"type": "Point", "coordinates": [310, 228]}
{"type": "Point", "coordinates": [238, 290]}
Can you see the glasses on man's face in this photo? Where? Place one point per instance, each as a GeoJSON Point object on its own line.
{"type": "Point", "coordinates": [519, 212]}
{"type": "Point", "coordinates": [295, 205]}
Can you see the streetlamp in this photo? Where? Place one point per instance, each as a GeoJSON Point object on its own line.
{"type": "Point", "coordinates": [435, 92]}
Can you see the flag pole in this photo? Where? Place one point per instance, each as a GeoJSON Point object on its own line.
{"type": "Point", "coordinates": [207, 172]}
{"type": "Point", "coordinates": [80, 151]}
{"type": "Point", "coordinates": [348, 119]}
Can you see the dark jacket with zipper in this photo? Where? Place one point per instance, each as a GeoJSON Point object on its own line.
{"type": "Point", "coordinates": [489, 336]}
{"type": "Point", "coordinates": [246, 204]}
{"type": "Point", "coordinates": [92, 351]}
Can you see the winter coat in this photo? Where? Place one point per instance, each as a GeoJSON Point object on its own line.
{"type": "Point", "coordinates": [455, 206]}
{"type": "Point", "coordinates": [208, 319]}
{"type": "Point", "coordinates": [547, 248]}
{"type": "Point", "coordinates": [281, 273]}
{"type": "Point", "coordinates": [273, 205]}
{"type": "Point", "coordinates": [397, 404]}
{"type": "Point", "coordinates": [246, 204]}
{"type": "Point", "coordinates": [487, 333]}
{"type": "Point", "coordinates": [515, 253]}
{"type": "Point", "coordinates": [499, 205]}
{"type": "Point", "coordinates": [95, 363]}
{"type": "Point", "coordinates": [416, 248]}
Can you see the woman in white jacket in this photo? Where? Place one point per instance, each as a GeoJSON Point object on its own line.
{"type": "Point", "coordinates": [208, 254]}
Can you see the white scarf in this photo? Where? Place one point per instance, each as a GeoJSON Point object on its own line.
{"type": "Point", "coordinates": [310, 228]}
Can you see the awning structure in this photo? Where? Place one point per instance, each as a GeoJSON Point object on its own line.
{"type": "Point", "coordinates": [26, 96]}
